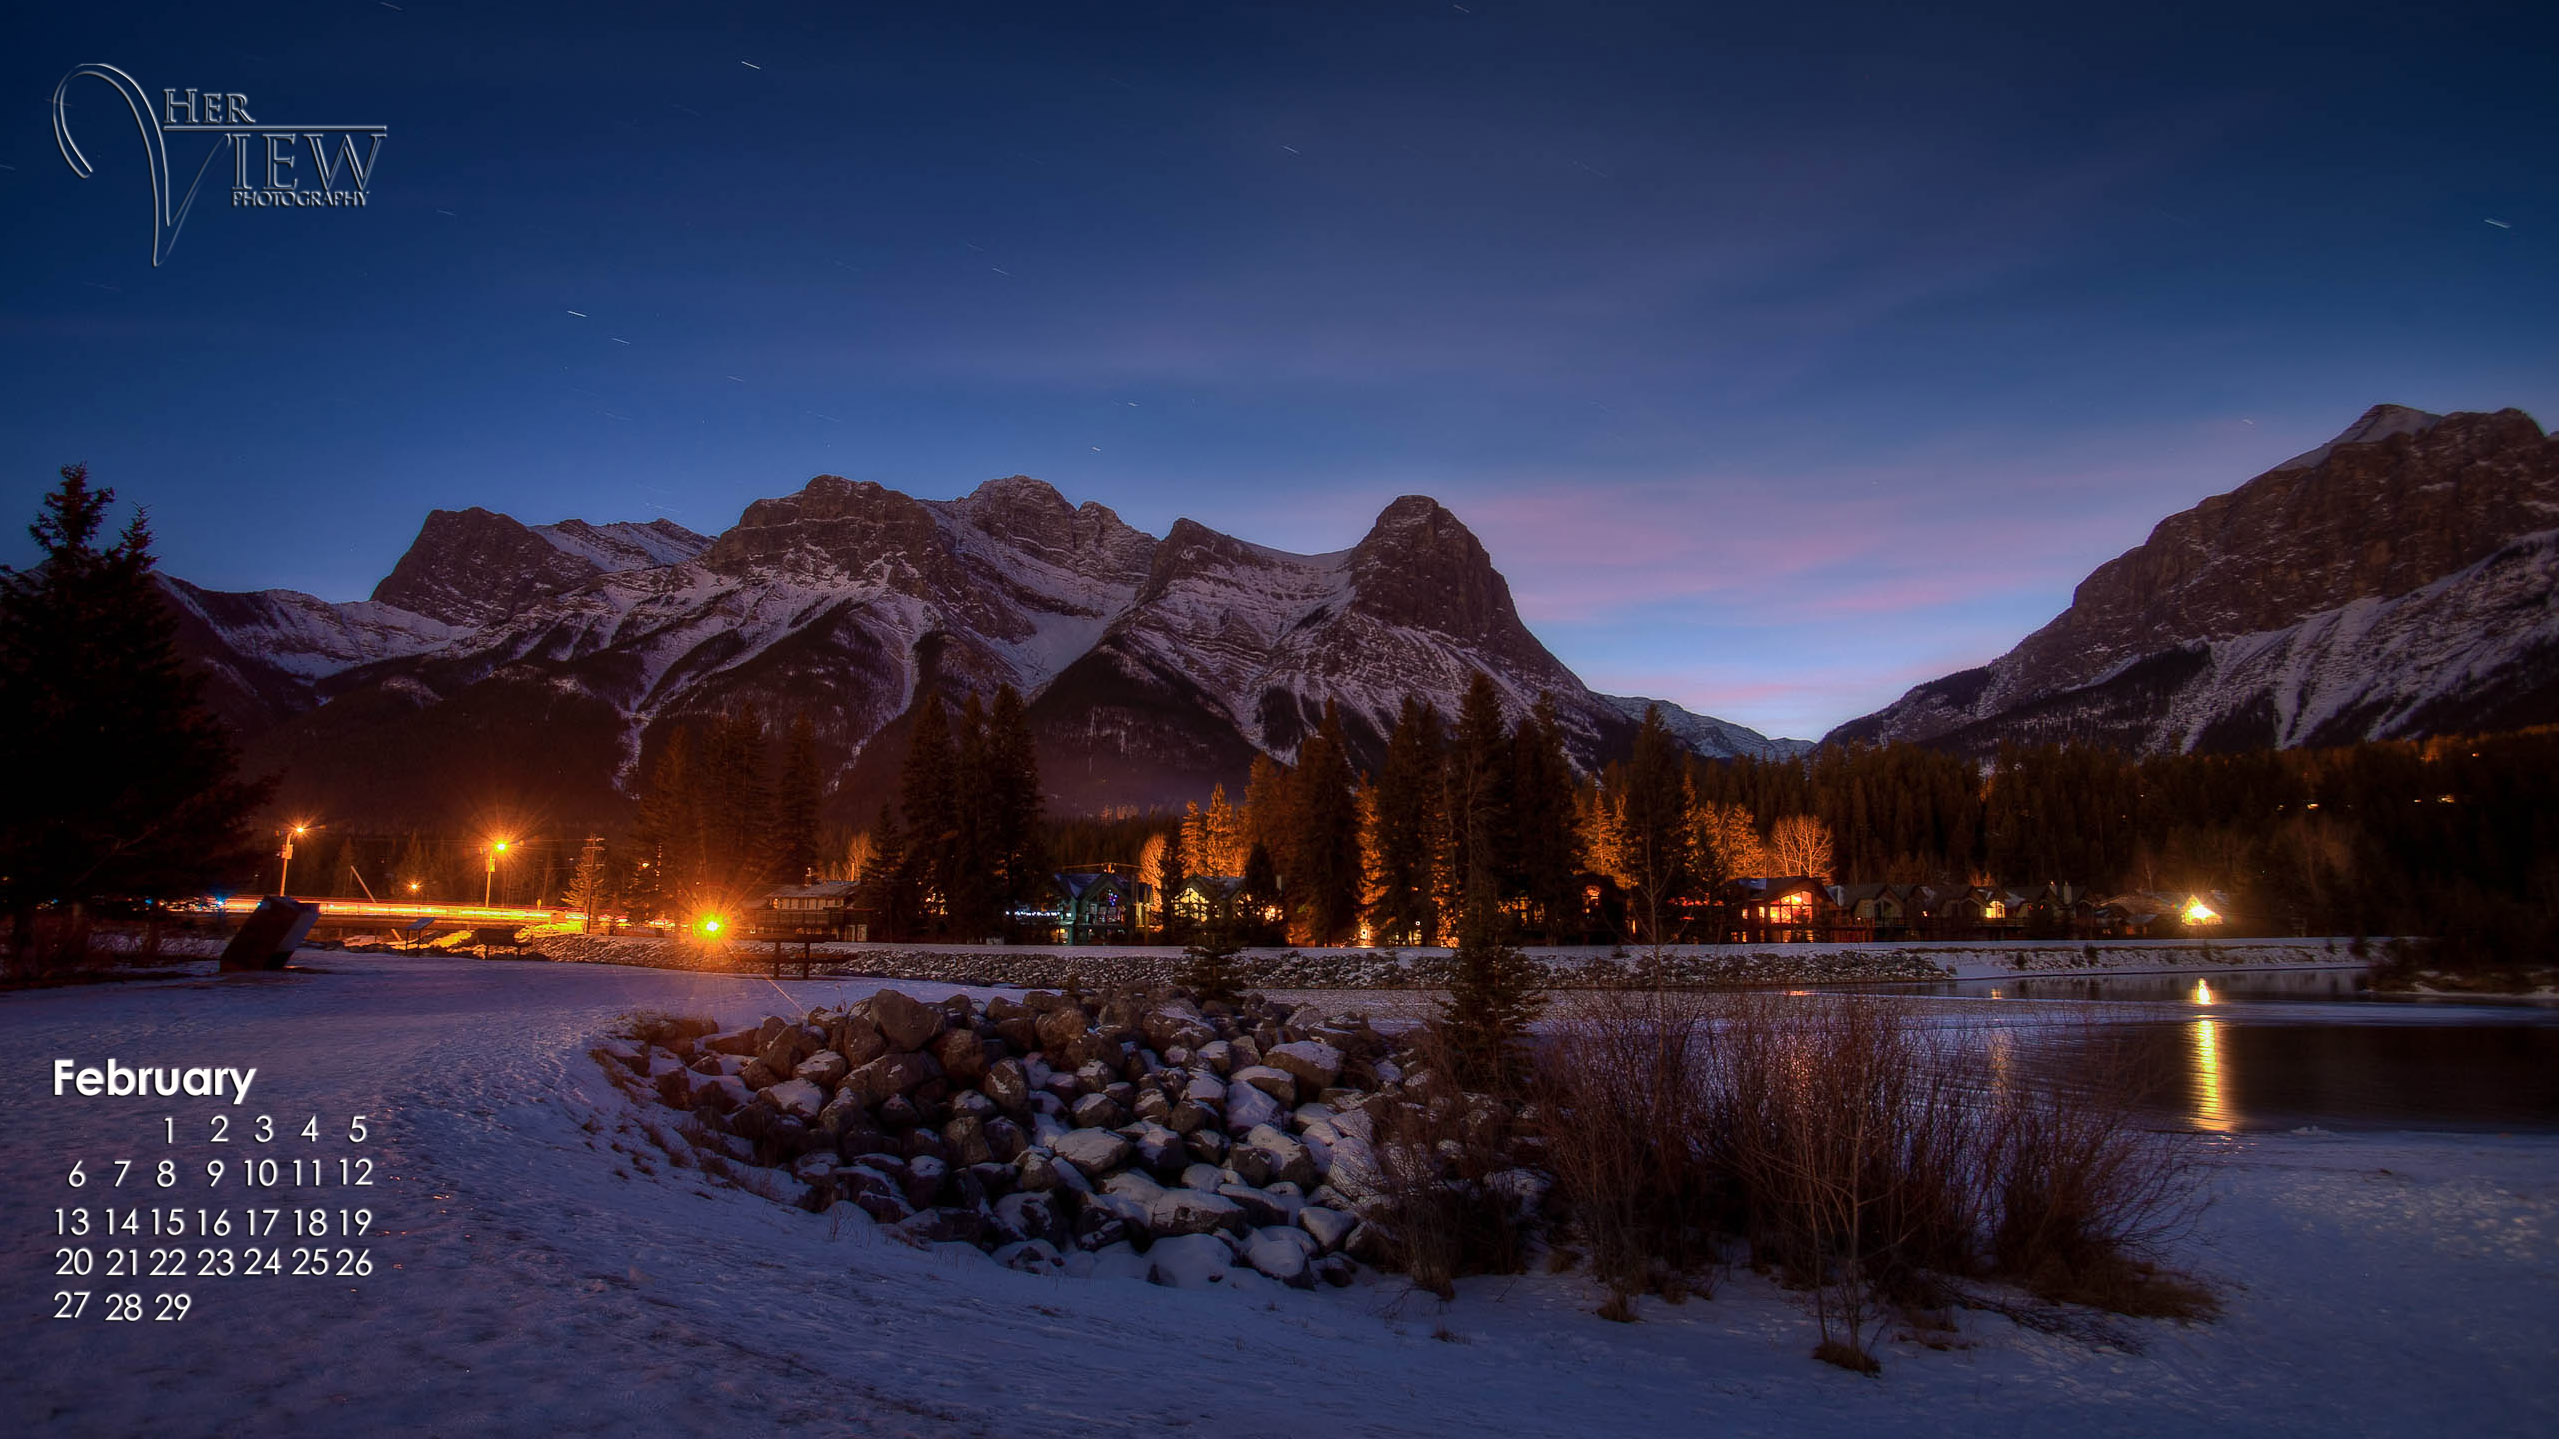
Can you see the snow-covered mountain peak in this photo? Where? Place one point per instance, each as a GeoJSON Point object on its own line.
{"type": "Point", "coordinates": [2379, 423]}
{"type": "Point", "coordinates": [626, 544]}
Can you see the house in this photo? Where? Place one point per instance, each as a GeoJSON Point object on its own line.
{"type": "Point", "coordinates": [823, 911]}
{"type": "Point", "coordinates": [1875, 902]}
{"type": "Point", "coordinates": [1206, 900]}
{"type": "Point", "coordinates": [1099, 904]}
{"type": "Point", "coordinates": [1781, 908]}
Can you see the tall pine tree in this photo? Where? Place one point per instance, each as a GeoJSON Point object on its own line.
{"type": "Point", "coordinates": [123, 783]}
{"type": "Point", "coordinates": [666, 841]}
{"type": "Point", "coordinates": [1325, 890]}
{"type": "Point", "coordinates": [1013, 802]}
{"type": "Point", "coordinates": [1549, 855]}
{"type": "Point", "coordinates": [1476, 780]}
{"type": "Point", "coordinates": [796, 800]}
{"type": "Point", "coordinates": [927, 800]}
{"type": "Point", "coordinates": [1653, 827]}
{"type": "Point", "coordinates": [1404, 837]}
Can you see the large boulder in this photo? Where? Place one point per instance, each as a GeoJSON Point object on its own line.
{"type": "Point", "coordinates": [905, 1023]}
{"type": "Point", "coordinates": [1192, 1212]}
{"type": "Point", "coordinates": [1189, 1261]}
{"type": "Point", "coordinates": [1095, 1152]}
{"type": "Point", "coordinates": [924, 1177]}
{"type": "Point", "coordinates": [796, 1098]}
{"type": "Point", "coordinates": [1329, 1228]}
{"type": "Point", "coordinates": [1005, 1139]}
{"type": "Point", "coordinates": [1315, 1064]}
{"type": "Point", "coordinates": [1059, 1030]}
{"type": "Point", "coordinates": [962, 1056]}
{"type": "Point", "coordinates": [965, 1140]}
{"type": "Point", "coordinates": [1006, 1084]}
{"type": "Point", "coordinates": [823, 1069]}
{"type": "Point", "coordinates": [1098, 1112]}
{"type": "Point", "coordinates": [1177, 1024]}
{"type": "Point", "coordinates": [1281, 1254]}
{"type": "Point", "coordinates": [889, 1075]}
{"type": "Point", "coordinates": [1279, 1084]}
{"type": "Point", "coordinates": [1248, 1107]}
{"type": "Point", "coordinates": [1035, 1215]}
{"type": "Point", "coordinates": [1260, 1206]}
{"type": "Point", "coordinates": [723, 1093]}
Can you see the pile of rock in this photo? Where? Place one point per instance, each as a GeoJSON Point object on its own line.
{"type": "Point", "coordinates": [1142, 1133]}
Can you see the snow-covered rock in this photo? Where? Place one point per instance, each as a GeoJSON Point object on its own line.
{"type": "Point", "coordinates": [1189, 1262]}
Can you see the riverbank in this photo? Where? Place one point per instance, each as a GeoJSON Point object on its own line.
{"type": "Point", "coordinates": [1426, 968]}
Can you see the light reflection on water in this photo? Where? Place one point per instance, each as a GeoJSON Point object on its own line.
{"type": "Point", "coordinates": [2210, 1111]}
{"type": "Point", "coordinates": [2261, 1049]}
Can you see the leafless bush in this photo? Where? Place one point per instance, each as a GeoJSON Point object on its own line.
{"type": "Point", "coordinates": [2086, 1194]}
{"type": "Point", "coordinates": [1622, 1082]}
{"type": "Point", "coordinates": [1849, 1139]}
{"type": "Point", "coordinates": [1857, 1150]}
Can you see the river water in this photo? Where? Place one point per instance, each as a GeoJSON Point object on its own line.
{"type": "Point", "coordinates": [2278, 1050]}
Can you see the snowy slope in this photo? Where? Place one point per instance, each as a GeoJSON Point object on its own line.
{"type": "Point", "coordinates": [1156, 668]}
{"type": "Point", "coordinates": [2394, 582]}
{"type": "Point", "coordinates": [1716, 739]}
{"type": "Point", "coordinates": [540, 1273]}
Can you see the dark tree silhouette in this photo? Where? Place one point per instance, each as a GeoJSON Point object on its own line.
{"type": "Point", "coordinates": [123, 786]}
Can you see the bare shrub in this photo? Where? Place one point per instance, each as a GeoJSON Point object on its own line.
{"type": "Point", "coordinates": [1847, 1137]}
{"type": "Point", "coordinates": [1623, 1099]}
{"type": "Point", "coordinates": [2086, 1194]}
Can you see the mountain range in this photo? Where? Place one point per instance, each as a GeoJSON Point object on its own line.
{"type": "Point", "coordinates": [2396, 582]}
{"type": "Point", "coordinates": [506, 673]}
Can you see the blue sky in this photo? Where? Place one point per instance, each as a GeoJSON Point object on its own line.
{"type": "Point", "coordinates": [1782, 357]}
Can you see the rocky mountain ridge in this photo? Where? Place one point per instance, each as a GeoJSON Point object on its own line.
{"type": "Point", "coordinates": [1155, 667]}
{"type": "Point", "coordinates": [2397, 581]}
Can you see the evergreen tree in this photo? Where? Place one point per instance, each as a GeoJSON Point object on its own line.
{"type": "Point", "coordinates": [1653, 826]}
{"type": "Point", "coordinates": [1260, 896]}
{"type": "Point", "coordinates": [590, 885]}
{"type": "Point", "coordinates": [1476, 784]}
{"type": "Point", "coordinates": [974, 858]}
{"type": "Point", "coordinates": [931, 830]}
{"type": "Point", "coordinates": [1270, 815]}
{"type": "Point", "coordinates": [1209, 969]}
{"type": "Point", "coordinates": [1404, 833]}
{"type": "Point", "coordinates": [1494, 998]}
{"type": "Point", "coordinates": [888, 882]}
{"type": "Point", "coordinates": [124, 784]}
{"type": "Point", "coordinates": [1549, 856]}
{"type": "Point", "coordinates": [736, 807]}
{"type": "Point", "coordinates": [1014, 802]}
{"type": "Point", "coordinates": [666, 840]}
{"type": "Point", "coordinates": [795, 806]}
{"type": "Point", "coordinates": [1175, 876]}
{"type": "Point", "coordinates": [1325, 893]}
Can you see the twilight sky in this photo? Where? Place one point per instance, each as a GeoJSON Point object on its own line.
{"type": "Point", "coordinates": [1782, 357]}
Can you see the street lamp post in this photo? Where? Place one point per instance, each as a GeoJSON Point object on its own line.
{"type": "Point", "coordinates": [284, 859]}
{"type": "Point", "coordinates": [489, 886]}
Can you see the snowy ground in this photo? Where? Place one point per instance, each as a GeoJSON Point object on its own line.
{"type": "Point", "coordinates": [538, 1278]}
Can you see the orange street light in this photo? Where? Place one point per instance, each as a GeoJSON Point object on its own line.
{"type": "Point", "coordinates": [284, 856]}
{"type": "Point", "coordinates": [489, 883]}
